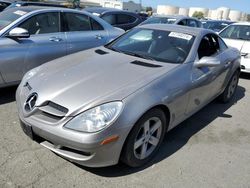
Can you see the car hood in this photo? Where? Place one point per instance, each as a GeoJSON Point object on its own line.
{"type": "Point", "coordinates": [242, 45]}
{"type": "Point", "coordinates": [88, 78]}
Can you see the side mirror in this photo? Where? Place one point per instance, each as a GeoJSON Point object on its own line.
{"type": "Point", "coordinates": [207, 62]}
{"type": "Point", "coordinates": [18, 33]}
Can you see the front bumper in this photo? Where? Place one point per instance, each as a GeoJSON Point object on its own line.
{"type": "Point", "coordinates": [91, 154]}
{"type": "Point", "coordinates": [245, 65]}
{"type": "Point", "coordinates": [82, 148]}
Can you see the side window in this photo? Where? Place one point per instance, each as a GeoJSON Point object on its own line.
{"type": "Point", "coordinates": [191, 23]}
{"type": "Point", "coordinates": [209, 46]}
{"type": "Point", "coordinates": [95, 25]}
{"type": "Point", "coordinates": [183, 22]}
{"type": "Point", "coordinates": [110, 19]}
{"type": "Point", "coordinates": [125, 18]}
{"type": "Point", "coordinates": [76, 22]}
{"type": "Point", "coordinates": [199, 24]}
{"type": "Point", "coordinates": [222, 44]}
{"type": "Point", "coordinates": [3, 5]}
{"type": "Point", "coordinates": [42, 23]}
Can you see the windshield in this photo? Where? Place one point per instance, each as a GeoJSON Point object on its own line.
{"type": "Point", "coordinates": [216, 26]}
{"type": "Point", "coordinates": [159, 20]}
{"type": "Point", "coordinates": [8, 16]}
{"type": "Point", "coordinates": [241, 32]}
{"type": "Point", "coordinates": [164, 46]}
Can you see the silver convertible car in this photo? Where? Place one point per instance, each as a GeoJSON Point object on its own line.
{"type": "Point", "coordinates": [31, 36]}
{"type": "Point", "coordinates": [116, 102]}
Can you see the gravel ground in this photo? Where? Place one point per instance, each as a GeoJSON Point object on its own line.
{"type": "Point", "coordinates": [210, 149]}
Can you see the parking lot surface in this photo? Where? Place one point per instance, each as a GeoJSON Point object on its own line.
{"type": "Point", "coordinates": [210, 149]}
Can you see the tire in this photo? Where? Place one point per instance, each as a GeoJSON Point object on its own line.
{"type": "Point", "coordinates": [229, 91]}
{"type": "Point", "coordinates": [144, 139]}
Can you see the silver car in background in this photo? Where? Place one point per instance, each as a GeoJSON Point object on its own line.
{"type": "Point", "coordinates": [31, 36]}
{"type": "Point", "coordinates": [116, 102]}
{"type": "Point", "coordinates": [173, 19]}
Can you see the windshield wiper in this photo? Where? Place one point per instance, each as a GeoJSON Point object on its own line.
{"type": "Point", "coordinates": [114, 49]}
{"type": "Point", "coordinates": [139, 55]}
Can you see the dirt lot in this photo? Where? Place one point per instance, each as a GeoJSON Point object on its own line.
{"type": "Point", "coordinates": [210, 149]}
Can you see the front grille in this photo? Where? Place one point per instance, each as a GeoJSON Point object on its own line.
{"type": "Point", "coordinates": [53, 109]}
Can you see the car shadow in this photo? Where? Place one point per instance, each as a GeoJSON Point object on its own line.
{"type": "Point", "coordinates": [177, 137]}
{"type": "Point", "coordinates": [7, 95]}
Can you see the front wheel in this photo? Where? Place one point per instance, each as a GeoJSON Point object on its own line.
{"type": "Point", "coordinates": [144, 139]}
{"type": "Point", "coordinates": [229, 91]}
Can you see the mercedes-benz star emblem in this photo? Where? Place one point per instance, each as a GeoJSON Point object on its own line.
{"type": "Point", "coordinates": [30, 102]}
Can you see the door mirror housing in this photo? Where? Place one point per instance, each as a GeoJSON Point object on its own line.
{"type": "Point", "coordinates": [18, 32]}
{"type": "Point", "coordinates": [207, 62]}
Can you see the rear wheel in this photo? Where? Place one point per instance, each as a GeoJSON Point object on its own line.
{"type": "Point", "coordinates": [229, 92]}
{"type": "Point", "coordinates": [144, 139]}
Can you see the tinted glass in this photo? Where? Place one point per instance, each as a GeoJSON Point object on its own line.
{"type": "Point", "coordinates": [42, 23]}
{"type": "Point", "coordinates": [183, 22]}
{"type": "Point", "coordinates": [8, 16]}
{"type": "Point", "coordinates": [241, 32]}
{"type": "Point", "coordinates": [96, 25]}
{"type": "Point", "coordinates": [191, 23]}
{"type": "Point", "coordinates": [3, 5]}
{"type": "Point", "coordinates": [124, 18]}
{"type": "Point", "coordinates": [110, 19]}
{"type": "Point", "coordinates": [165, 46]}
{"type": "Point", "coordinates": [209, 46]}
{"type": "Point", "coordinates": [76, 22]}
{"type": "Point", "coordinates": [158, 20]}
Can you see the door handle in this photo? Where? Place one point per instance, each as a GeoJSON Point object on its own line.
{"type": "Point", "coordinates": [99, 37]}
{"type": "Point", "coordinates": [55, 39]}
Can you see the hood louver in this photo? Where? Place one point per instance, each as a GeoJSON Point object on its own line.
{"type": "Point", "coordinates": [145, 64]}
{"type": "Point", "coordinates": [101, 52]}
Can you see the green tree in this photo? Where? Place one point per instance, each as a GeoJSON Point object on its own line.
{"type": "Point", "coordinates": [198, 14]}
{"type": "Point", "coordinates": [74, 3]}
{"type": "Point", "coordinates": [149, 9]}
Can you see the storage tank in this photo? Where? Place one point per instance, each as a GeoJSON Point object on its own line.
{"type": "Point", "coordinates": [243, 17]}
{"type": "Point", "coordinates": [235, 15]}
{"type": "Point", "coordinates": [225, 12]}
{"type": "Point", "coordinates": [184, 11]}
{"type": "Point", "coordinates": [192, 10]}
{"type": "Point", "coordinates": [219, 15]}
{"type": "Point", "coordinates": [168, 10]}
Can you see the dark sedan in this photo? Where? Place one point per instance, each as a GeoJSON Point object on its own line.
{"type": "Point", "coordinates": [118, 18]}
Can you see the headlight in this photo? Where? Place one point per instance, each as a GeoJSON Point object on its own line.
{"type": "Point", "coordinates": [96, 119]}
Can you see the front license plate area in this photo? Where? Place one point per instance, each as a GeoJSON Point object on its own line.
{"type": "Point", "coordinates": [27, 130]}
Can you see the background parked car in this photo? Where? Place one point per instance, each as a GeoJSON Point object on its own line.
{"type": "Point", "coordinates": [118, 18]}
{"type": "Point", "coordinates": [216, 25]}
{"type": "Point", "coordinates": [238, 36]}
{"type": "Point", "coordinates": [6, 4]}
{"type": "Point", "coordinates": [30, 36]}
{"type": "Point", "coordinates": [176, 19]}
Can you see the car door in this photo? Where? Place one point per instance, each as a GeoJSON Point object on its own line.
{"type": "Point", "coordinates": [12, 58]}
{"type": "Point", "coordinates": [207, 81]}
{"type": "Point", "coordinates": [82, 32]}
{"type": "Point", "coordinates": [47, 41]}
